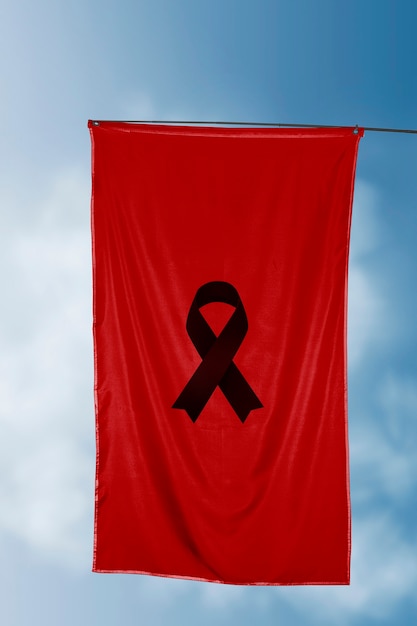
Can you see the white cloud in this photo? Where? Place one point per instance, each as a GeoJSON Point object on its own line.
{"type": "Point", "coordinates": [45, 495]}
{"type": "Point", "coordinates": [379, 467]}
{"type": "Point", "coordinates": [366, 225]}
{"type": "Point", "coordinates": [383, 450]}
{"type": "Point", "coordinates": [367, 316]}
{"type": "Point", "coordinates": [368, 310]}
{"type": "Point", "coordinates": [46, 415]}
{"type": "Point", "coordinates": [217, 596]}
{"type": "Point", "coordinates": [398, 399]}
{"type": "Point", "coordinates": [165, 591]}
{"type": "Point", "coordinates": [384, 572]}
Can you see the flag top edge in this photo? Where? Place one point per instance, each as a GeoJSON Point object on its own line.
{"type": "Point", "coordinates": [229, 131]}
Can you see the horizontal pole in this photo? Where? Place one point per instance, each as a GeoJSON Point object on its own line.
{"type": "Point", "coordinates": [264, 124]}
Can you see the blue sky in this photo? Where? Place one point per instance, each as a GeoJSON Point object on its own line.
{"type": "Point", "coordinates": [318, 62]}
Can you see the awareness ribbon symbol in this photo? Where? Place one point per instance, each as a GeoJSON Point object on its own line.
{"type": "Point", "coordinates": [217, 367]}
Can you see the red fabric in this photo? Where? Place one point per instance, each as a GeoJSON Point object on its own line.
{"type": "Point", "coordinates": [266, 500]}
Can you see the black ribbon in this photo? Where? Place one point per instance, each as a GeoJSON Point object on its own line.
{"type": "Point", "coordinates": [217, 367]}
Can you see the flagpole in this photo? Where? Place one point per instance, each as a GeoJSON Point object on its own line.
{"type": "Point", "coordinates": [375, 129]}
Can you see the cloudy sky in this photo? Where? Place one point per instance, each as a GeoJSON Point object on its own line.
{"type": "Point", "coordinates": [321, 62]}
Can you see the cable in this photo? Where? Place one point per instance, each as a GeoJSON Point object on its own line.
{"type": "Point", "coordinates": [254, 124]}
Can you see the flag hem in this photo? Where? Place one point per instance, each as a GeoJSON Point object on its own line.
{"type": "Point", "coordinates": [223, 582]}
{"type": "Point", "coordinates": [349, 504]}
{"type": "Point", "coordinates": [93, 256]}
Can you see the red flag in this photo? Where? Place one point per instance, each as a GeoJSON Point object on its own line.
{"type": "Point", "coordinates": [220, 279]}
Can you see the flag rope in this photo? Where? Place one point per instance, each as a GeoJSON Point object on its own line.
{"type": "Point", "coordinates": [262, 124]}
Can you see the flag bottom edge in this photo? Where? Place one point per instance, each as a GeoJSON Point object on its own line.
{"type": "Point", "coordinates": [224, 582]}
